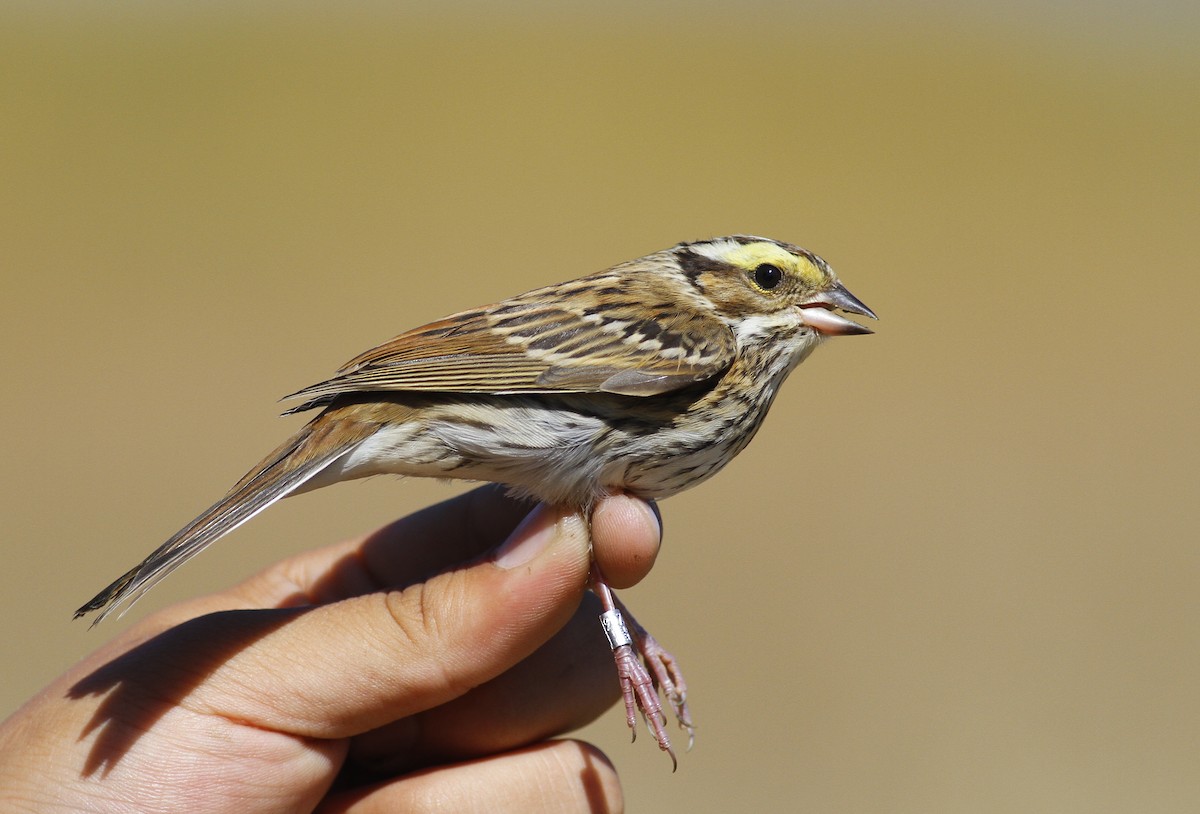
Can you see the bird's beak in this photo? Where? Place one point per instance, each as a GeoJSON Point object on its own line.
{"type": "Point", "coordinates": [817, 312]}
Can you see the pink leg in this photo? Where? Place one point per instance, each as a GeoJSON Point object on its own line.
{"type": "Point", "coordinates": [639, 686]}
{"type": "Point", "coordinates": [665, 670]}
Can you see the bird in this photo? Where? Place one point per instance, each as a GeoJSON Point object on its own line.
{"type": "Point", "coordinates": [646, 378]}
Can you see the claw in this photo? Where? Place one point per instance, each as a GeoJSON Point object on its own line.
{"type": "Point", "coordinates": [639, 692]}
{"type": "Point", "coordinates": [639, 685]}
{"type": "Point", "coordinates": [665, 671]}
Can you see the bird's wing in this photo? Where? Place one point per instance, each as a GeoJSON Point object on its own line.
{"type": "Point", "coordinates": [539, 344]}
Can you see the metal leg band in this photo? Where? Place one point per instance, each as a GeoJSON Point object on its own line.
{"type": "Point", "coordinates": [614, 629]}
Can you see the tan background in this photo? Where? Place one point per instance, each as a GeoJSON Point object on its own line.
{"type": "Point", "coordinates": [958, 571]}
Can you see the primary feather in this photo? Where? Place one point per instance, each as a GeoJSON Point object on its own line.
{"type": "Point", "coordinates": [284, 471]}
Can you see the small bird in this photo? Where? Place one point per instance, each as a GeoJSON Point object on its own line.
{"type": "Point", "coordinates": [646, 379]}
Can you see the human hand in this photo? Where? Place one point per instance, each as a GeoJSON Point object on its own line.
{"type": "Point", "coordinates": [418, 667]}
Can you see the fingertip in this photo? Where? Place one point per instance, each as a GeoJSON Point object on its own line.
{"type": "Point", "coordinates": [626, 536]}
{"type": "Point", "coordinates": [599, 779]}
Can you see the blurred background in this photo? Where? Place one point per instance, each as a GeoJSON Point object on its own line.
{"type": "Point", "coordinates": [958, 569]}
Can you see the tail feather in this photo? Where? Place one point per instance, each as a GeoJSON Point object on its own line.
{"type": "Point", "coordinates": [296, 461]}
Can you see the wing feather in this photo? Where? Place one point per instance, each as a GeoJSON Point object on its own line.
{"type": "Point", "coordinates": [623, 345]}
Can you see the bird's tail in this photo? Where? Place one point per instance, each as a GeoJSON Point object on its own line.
{"type": "Point", "coordinates": [284, 471]}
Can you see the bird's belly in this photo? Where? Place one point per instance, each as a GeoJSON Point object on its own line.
{"type": "Point", "coordinates": [550, 454]}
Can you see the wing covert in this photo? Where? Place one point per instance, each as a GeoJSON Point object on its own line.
{"type": "Point", "coordinates": [528, 345]}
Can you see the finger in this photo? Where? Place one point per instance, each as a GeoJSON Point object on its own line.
{"type": "Point", "coordinates": [626, 534]}
{"type": "Point", "coordinates": [558, 776]}
{"type": "Point", "coordinates": [345, 668]}
{"type": "Point", "coordinates": [564, 685]}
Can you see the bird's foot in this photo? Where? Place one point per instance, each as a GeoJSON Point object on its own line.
{"type": "Point", "coordinates": [667, 675]}
{"type": "Point", "coordinates": [641, 678]}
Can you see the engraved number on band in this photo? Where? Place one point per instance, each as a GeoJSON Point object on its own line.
{"type": "Point", "coordinates": [614, 629]}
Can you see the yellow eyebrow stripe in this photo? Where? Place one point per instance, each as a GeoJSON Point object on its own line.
{"type": "Point", "coordinates": [750, 255]}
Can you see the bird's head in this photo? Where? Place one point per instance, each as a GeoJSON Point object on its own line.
{"type": "Point", "coordinates": [759, 283]}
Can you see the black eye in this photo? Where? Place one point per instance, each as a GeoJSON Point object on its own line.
{"type": "Point", "coordinates": [767, 276]}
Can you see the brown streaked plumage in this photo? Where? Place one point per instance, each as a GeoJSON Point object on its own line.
{"type": "Point", "coordinates": [645, 378]}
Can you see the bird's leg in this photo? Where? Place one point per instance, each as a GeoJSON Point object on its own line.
{"type": "Point", "coordinates": [665, 670]}
{"type": "Point", "coordinates": [638, 687]}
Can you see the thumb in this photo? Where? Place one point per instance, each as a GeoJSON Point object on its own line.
{"type": "Point", "coordinates": [337, 670]}
{"type": "Point", "coordinates": [376, 658]}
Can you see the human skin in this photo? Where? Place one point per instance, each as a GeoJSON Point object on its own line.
{"type": "Point", "coordinates": [427, 666]}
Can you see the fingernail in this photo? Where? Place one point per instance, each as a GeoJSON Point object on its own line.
{"type": "Point", "coordinates": [529, 539]}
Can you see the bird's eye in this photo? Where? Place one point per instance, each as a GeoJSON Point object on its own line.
{"type": "Point", "coordinates": [767, 276]}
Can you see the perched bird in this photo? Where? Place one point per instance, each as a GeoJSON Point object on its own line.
{"type": "Point", "coordinates": [646, 378]}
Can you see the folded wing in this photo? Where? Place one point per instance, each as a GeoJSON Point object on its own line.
{"type": "Point", "coordinates": [537, 344]}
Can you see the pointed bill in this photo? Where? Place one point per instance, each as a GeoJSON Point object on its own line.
{"type": "Point", "coordinates": [818, 312]}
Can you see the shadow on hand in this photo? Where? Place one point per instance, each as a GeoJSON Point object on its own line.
{"type": "Point", "coordinates": [145, 683]}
